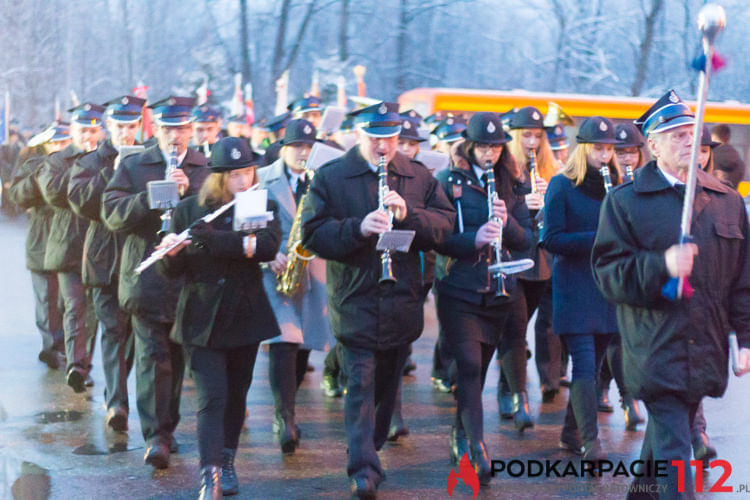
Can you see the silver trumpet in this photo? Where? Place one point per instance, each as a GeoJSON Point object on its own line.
{"type": "Point", "coordinates": [499, 269]}
{"type": "Point", "coordinates": [386, 261]}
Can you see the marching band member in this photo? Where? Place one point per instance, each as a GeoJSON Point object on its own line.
{"type": "Point", "coordinates": [471, 310]}
{"type": "Point", "coordinates": [223, 312]}
{"type": "Point", "coordinates": [303, 317]}
{"type": "Point", "coordinates": [676, 352]}
{"type": "Point", "coordinates": [64, 250]}
{"type": "Point", "coordinates": [581, 315]}
{"type": "Point", "coordinates": [373, 318]}
{"type": "Point", "coordinates": [206, 128]}
{"type": "Point", "coordinates": [102, 249]}
{"type": "Point", "coordinates": [149, 298]}
{"type": "Point", "coordinates": [24, 192]}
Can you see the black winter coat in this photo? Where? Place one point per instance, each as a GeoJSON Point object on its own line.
{"type": "Point", "coordinates": [678, 348]}
{"type": "Point", "coordinates": [364, 314]}
{"type": "Point", "coordinates": [64, 250]}
{"type": "Point", "coordinates": [101, 248]}
{"type": "Point", "coordinates": [461, 268]}
{"type": "Point", "coordinates": [25, 192]}
{"type": "Point", "coordinates": [125, 209]}
{"type": "Point", "coordinates": [223, 303]}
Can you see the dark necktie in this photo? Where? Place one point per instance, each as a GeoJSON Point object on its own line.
{"type": "Point", "coordinates": [680, 188]}
{"type": "Point", "coordinates": [302, 184]}
{"type": "Point", "coordinates": [484, 180]}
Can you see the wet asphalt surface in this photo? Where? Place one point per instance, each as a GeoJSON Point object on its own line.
{"type": "Point", "coordinates": [54, 443]}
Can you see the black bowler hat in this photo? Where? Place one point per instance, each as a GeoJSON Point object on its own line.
{"type": "Point", "coordinates": [379, 120]}
{"type": "Point", "coordinates": [125, 109]}
{"type": "Point", "coordinates": [628, 135]}
{"type": "Point", "coordinates": [277, 122]}
{"type": "Point", "coordinates": [486, 128]}
{"type": "Point", "coordinates": [528, 117]}
{"type": "Point", "coordinates": [206, 113]}
{"type": "Point", "coordinates": [665, 114]}
{"type": "Point", "coordinates": [450, 129]}
{"type": "Point", "coordinates": [231, 153]}
{"type": "Point", "coordinates": [299, 131]}
{"type": "Point", "coordinates": [87, 114]}
{"type": "Point", "coordinates": [173, 110]}
{"type": "Point", "coordinates": [304, 104]}
{"type": "Point", "coordinates": [597, 130]}
{"type": "Point", "coordinates": [557, 138]}
{"type": "Point", "coordinates": [706, 139]}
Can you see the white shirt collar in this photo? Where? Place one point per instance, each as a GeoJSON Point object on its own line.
{"type": "Point", "coordinates": [671, 179]}
{"type": "Point", "coordinates": [293, 178]}
{"type": "Point", "coordinates": [478, 171]}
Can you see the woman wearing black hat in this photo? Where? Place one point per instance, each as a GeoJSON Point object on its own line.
{"type": "Point", "coordinates": [471, 311]}
{"type": "Point", "coordinates": [581, 315]}
{"type": "Point", "coordinates": [531, 148]}
{"type": "Point", "coordinates": [223, 312]}
{"type": "Point", "coordinates": [629, 152]}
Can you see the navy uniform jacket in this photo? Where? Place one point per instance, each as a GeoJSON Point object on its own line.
{"type": "Point", "coordinates": [125, 209]}
{"type": "Point", "coordinates": [571, 218]}
{"type": "Point", "coordinates": [343, 191]}
{"type": "Point", "coordinates": [679, 348]}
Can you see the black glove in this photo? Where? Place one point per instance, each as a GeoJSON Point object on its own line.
{"type": "Point", "coordinates": [217, 242]}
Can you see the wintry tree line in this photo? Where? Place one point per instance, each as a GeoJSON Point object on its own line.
{"type": "Point", "coordinates": [100, 48]}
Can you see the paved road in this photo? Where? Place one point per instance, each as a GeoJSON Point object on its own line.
{"type": "Point", "coordinates": [53, 443]}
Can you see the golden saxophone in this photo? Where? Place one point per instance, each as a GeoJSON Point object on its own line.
{"type": "Point", "coordinates": [288, 282]}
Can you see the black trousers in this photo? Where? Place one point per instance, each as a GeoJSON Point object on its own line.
{"type": "Point", "coordinates": [117, 345]}
{"type": "Point", "coordinates": [550, 354]}
{"type": "Point", "coordinates": [79, 322]}
{"type": "Point", "coordinates": [287, 364]}
{"type": "Point", "coordinates": [512, 346]}
{"type": "Point", "coordinates": [668, 438]}
{"type": "Point", "coordinates": [372, 380]}
{"type": "Point", "coordinates": [159, 366]}
{"type": "Point", "coordinates": [222, 378]}
{"type": "Point", "coordinates": [471, 333]}
{"type": "Point", "coordinates": [47, 310]}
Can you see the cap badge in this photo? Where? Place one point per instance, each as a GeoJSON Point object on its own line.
{"type": "Point", "coordinates": [171, 101]}
{"type": "Point", "coordinates": [623, 135]}
{"type": "Point", "coordinates": [535, 116]}
{"type": "Point", "coordinates": [673, 97]}
{"type": "Point", "coordinates": [449, 121]}
{"type": "Point", "coordinates": [383, 109]}
{"type": "Point", "coordinates": [125, 101]}
{"type": "Point", "coordinates": [491, 128]}
{"type": "Point", "coordinates": [413, 113]}
{"type": "Point", "coordinates": [235, 154]}
{"type": "Point", "coordinates": [87, 107]}
{"type": "Point", "coordinates": [308, 130]}
{"type": "Point", "coordinates": [407, 124]}
{"type": "Point", "coordinates": [558, 131]}
{"type": "Point", "coordinates": [602, 126]}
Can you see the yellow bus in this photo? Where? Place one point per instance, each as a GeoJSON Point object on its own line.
{"type": "Point", "coordinates": [431, 100]}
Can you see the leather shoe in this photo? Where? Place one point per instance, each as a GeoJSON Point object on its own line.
{"type": "Point", "coordinates": [89, 382]}
{"type": "Point", "coordinates": [633, 415]}
{"type": "Point", "coordinates": [287, 430]}
{"type": "Point", "coordinates": [398, 427]}
{"type": "Point", "coordinates": [521, 417]}
{"type": "Point", "coordinates": [77, 380]}
{"type": "Point", "coordinates": [604, 404]}
{"type": "Point", "coordinates": [174, 446]}
{"type": "Point", "coordinates": [54, 359]}
{"type": "Point", "coordinates": [157, 455]}
{"type": "Point", "coordinates": [441, 385]}
{"type": "Point", "coordinates": [410, 366]}
{"type": "Point", "coordinates": [229, 483]}
{"type": "Point", "coordinates": [481, 462]}
{"type": "Point", "coordinates": [548, 395]}
{"type": "Point", "coordinates": [506, 405]}
{"type": "Point", "coordinates": [362, 488]}
{"type": "Point", "coordinates": [117, 418]}
{"type": "Point", "coordinates": [210, 483]}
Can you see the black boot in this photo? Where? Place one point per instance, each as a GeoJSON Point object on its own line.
{"type": "Point", "coordinates": [702, 449]}
{"type": "Point", "coordinates": [229, 483]}
{"type": "Point", "coordinates": [633, 415]}
{"type": "Point", "coordinates": [459, 444]}
{"type": "Point", "coordinates": [481, 462]}
{"type": "Point", "coordinates": [605, 406]}
{"type": "Point", "coordinates": [570, 438]}
{"type": "Point", "coordinates": [398, 427]}
{"type": "Point", "coordinates": [521, 416]}
{"type": "Point", "coordinates": [288, 436]}
{"type": "Point", "coordinates": [583, 398]}
{"type": "Point", "coordinates": [505, 400]}
{"type": "Point", "coordinates": [210, 483]}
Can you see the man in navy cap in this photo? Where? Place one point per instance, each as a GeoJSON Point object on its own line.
{"type": "Point", "coordinates": [64, 250]}
{"type": "Point", "coordinates": [374, 320]}
{"type": "Point", "coordinates": [275, 128]}
{"type": "Point", "coordinates": [446, 133]}
{"type": "Point", "coordinates": [101, 263]}
{"type": "Point", "coordinates": [558, 143]}
{"type": "Point", "coordinates": [309, 108]}
{"type": "Point", "coordinates": [675, 351]}
{"type": "Point", "coordinates": [206, 127]}
{"type": "Point", "coordinates": [148, 297]}
{"type": "Point", "coordinates": [237, 126]}
{"type": "Point", "coordinates": [24, 192]}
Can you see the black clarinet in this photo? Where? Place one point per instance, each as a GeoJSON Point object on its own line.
{"type": "Point", "coordinates": [166, 217]}
{"type": "Point", "coordinates": [607, 179]}
{"type": "Point", "coordinates": [497, 245]}
{"type": "Point", "coordinates": [386, 261]}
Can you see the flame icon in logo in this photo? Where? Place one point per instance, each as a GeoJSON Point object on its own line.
{"type": "Point", "coordinates": [466, 473]}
